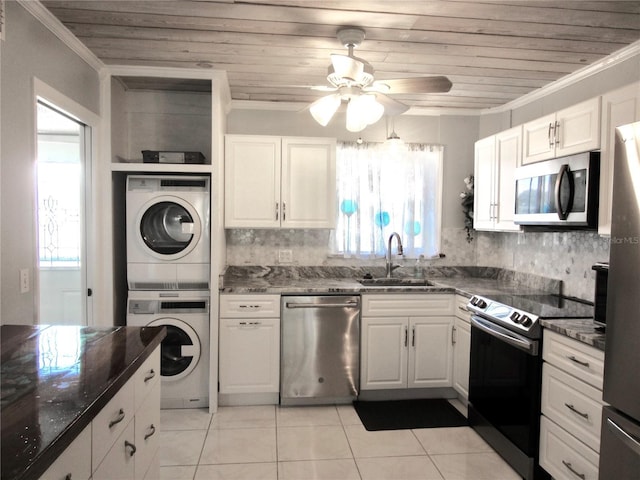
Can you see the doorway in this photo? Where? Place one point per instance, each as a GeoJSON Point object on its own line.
{"type": "Point", "coordinates": [62, 191]}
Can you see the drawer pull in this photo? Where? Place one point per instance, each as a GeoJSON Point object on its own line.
{"type": "Point", "coordinates": [151, 432]}
{"type": "Point", "coordinates": [132, 448]}
{"type": "Point", "coordinates": [249, 306]}
{"type": "Point", "coordinates": [150, 375]}
{"type": "Point", "coordinates": [572, 470]}
{"type": "Point", "coordinates": [464, 309]}
{"type": "Point", "coordinates": [575, 410]}
{"type": "Point", "coordinates": [579, 362]}
{"type": "Point", "coordinates": [117, 420]}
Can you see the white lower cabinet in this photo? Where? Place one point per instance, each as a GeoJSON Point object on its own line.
{"type": "Point", "coordinates": [249, 346]}
{"type": "Point", "coordinates": [410, 350]}
{"type": "Point", "coordinates": [571, 407]}
{"type": "Point", "coordinates": [122, 440]}
{"type": "Point", "coordinates": [461, 348]}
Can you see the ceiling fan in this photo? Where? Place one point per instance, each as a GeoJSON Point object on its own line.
{"type": "Point", "coordinates": [352, 80]}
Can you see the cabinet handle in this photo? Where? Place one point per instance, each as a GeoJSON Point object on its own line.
{"type": "Point", "coordinates": [572, 470]}
{"type": "Point", "coordinates": [575, 410]}
{"type": "Point", "coordinates": [406, 336]}
{"type": "Point", "coordinates": [413, 336]}
{"type": "Point", "coordinates": [284, 211]}
{"type": "Point", "coordinates": [579, 362]}
{"type": "Point", "coordinates": [249, 306]}
{"type": "Point", "coordinates": [118, 419]}
{"type": "Point", "coordinates": [132, 448]}
{"type": "Point", "coordinates": [453, 335]}
{"type": "Point", "coordinates": [251, 324]}
{"type": "Point", "coordinates": [556, 132]}
{"type": "Point", "coordinates": [151, 433]}
{"type": "Point", "coordinates": [150, 375]}
{"type": "Point", "coordinates": [277, 210]}
{"type": "Point", "coordinates": [549, 137]}
{"type": "Point", "coordinates": [464, 309]}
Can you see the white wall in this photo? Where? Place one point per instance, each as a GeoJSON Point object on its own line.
{"type": "Point", "coordinates": [29, 50]}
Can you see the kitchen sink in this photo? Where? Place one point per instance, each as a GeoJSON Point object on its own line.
{"type": "Point", "coordinates": [395, 282]}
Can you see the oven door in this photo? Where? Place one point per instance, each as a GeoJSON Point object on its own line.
{"type": "Point", "coordinates": [504, 389]}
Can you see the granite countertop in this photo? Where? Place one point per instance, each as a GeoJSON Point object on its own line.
{"type": "Point", "coordinates": [54, 380]}
{"type": "Point", "coordinates": [467, 281]}
{"type": "Point", "coordinates": [583, 330]}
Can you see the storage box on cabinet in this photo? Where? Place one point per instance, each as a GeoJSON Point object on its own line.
{"type": "Point", "coordinates": [406, 341]}
{"type": "Point", "coordinates": [249, 348]}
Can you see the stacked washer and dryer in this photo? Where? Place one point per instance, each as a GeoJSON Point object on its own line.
{"type": "Point", "coordinates": [168, 276]}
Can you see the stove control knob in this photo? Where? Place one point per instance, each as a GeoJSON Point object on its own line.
{"type": "Point", "coordinates": [473, 301]}
{"type": "Point", "coordinates": [481, 303]}
{"type": "Point", "coordinates": [526, 321]}
{"type": "Point", "coordinates": [515, 317]}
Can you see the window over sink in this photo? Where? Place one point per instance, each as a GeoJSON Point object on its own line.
{"type": "Point", "coordinates": [383, 190]}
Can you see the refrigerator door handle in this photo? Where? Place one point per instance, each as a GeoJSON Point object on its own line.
{"type": "Point", "coordinates": [629, 440]}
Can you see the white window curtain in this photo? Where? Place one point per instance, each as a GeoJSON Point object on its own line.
{"type": "Point", "coordinates": [381, 191]}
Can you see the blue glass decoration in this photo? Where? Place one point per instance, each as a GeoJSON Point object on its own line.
{"type": "Point", "coordinates": [382, 219]}
{"type": "Point", "coordinates": [412, 228]}
{"type": "Point", "coordinates": [349, 207]}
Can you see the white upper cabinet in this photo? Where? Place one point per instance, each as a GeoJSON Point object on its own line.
{"type": "Point", "coordinates": [572, 130]}
{"type": "Point", "coordinates": [496, 159]}
{"type": "Point", "coordinates": [619, 107]}
{"type": "Point", "coordinates": [273, 182]}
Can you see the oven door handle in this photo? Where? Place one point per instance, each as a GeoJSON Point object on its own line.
{"type": "Point", "coordinates": [522, 343]}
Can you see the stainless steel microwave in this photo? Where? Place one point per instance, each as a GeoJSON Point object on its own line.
{"type": "Point", "coordinates": [562, 192]}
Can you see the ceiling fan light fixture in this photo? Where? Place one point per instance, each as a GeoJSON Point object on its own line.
{"type": "Point", "coordinates": [363, 110]}
{"type": "Point", "coordinates": [323, 109]}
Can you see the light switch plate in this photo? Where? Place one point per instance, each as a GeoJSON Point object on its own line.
{"type": "Point", "coordinates": [24, 280]}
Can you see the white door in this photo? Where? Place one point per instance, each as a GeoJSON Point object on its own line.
{"type": "Point", "coordinates": [538, 139]}
{"type": "Point", "coordinates": [462, 351]}
{"type": "Point", "coordinates": [252, 181]}
{"type": "Point", "coordinates": [63, 171]}
{"type": "Point", "coordinates": [578, 128]}
{"type": "Point", "coordinates": [484, 175]}
{"type": "Point", "coordinates": [308, 183]}
{"type": "Point", "coordinates": [430, 353]}
{"type": "Point", "coordinates": [383, 353]}
{"type": "Point", "coordinates": [508, 157]}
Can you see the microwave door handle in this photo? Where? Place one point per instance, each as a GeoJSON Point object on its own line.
{"type": "Point", "coordinates": [564, 210]}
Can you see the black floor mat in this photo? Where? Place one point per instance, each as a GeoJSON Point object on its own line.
{"type": "Point", "coordinates": [406, 414]}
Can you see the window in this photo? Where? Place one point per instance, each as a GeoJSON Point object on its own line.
{"type": "Point", "coordinates": [381, 191]}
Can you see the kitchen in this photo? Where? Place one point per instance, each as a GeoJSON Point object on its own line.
{"type": "Point", "coordinates": [564, 256]}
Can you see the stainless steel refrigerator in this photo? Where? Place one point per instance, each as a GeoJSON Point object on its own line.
{"type": "Point", "coordinates": [620, 439]}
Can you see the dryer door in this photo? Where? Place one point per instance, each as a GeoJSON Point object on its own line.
{"type": "Point", "coordinates": [180, 350]}
{"type": "Point", "coordinates": [168, 227]}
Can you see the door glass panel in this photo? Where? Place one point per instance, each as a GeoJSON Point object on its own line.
{"type": "Point", "coordinates": [60, 212]}
{"type": "Point", "coordinates": [171, 360]}
{"type": "Point", "coordinates": [167, 228]}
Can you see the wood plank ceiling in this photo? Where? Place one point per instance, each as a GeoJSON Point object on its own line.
{"type": "Point", "coordinates": [493, 51]}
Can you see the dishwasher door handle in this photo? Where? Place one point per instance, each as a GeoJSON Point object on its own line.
{"type": "Point", "coordinates": [349, 304]}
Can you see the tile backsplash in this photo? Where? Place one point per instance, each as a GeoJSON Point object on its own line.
{"type": "Point", "coordinates": [565, 256]}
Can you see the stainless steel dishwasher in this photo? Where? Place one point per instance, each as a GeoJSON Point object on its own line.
{"type": "Point", "coordinates": [320, 349]}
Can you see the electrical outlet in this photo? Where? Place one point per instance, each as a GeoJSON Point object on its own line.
{"type": "Point", "coordinates": [24, 280]}
{"type": "Point", "coordinates": [285, 256]}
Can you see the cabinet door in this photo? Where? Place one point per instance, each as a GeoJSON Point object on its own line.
{"type": "Point", "coordinates": [308, 182]}
{"type": "Point", "coordinates": [537, 139]}
{"type": "Point", "coordinates": [119, 462]}
{"type": "Point", "coordinates": [147, 431]}
{"type": "Point", "coordinates": [461, 353]}
{"type": "Point", "coordinates": [252, 181]}
{"type": "Point", "coordinates": [430, 352]}
{"type": "Point", "coordinates": [619, 107]}
{"type": "Point", "coordinates": [484, 175]}
{"type": "Point", "coordinates": [578, 128]}
{"type": "Point", "coordinates": [508, 157]}
{"type": "Point", "coordinates": [249, 355]}
{"type": "Point", "coordinates": [383, 353]}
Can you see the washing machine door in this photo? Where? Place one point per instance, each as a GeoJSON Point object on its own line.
{"type": "Point", "coordinates": [180, 350]}
{"type": "Point", "coordinates": [168, 227]}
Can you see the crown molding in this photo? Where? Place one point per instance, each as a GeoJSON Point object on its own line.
{"type": "Point", "coordinates": [39, 11]}
{"type": "Point", "coordinates": [609, 61]}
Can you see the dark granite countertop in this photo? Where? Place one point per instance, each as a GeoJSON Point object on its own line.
{"type": "Point", "coordinates": [582, 330]}
{"type": "Point", "coordinates": [55, 379]}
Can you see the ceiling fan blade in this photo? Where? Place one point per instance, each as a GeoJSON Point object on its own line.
{"type": "Point", "coordinates": [347, 67]}
{"type": "Point", "coordinates": [323, 88]}
{"type": "Point", "coordinates": [414, 85]}
{"type": "Point", "coordinates": [391, 107]}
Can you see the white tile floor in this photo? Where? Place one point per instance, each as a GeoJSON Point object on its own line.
{"type": "Point", "coordinates": [304, 443]}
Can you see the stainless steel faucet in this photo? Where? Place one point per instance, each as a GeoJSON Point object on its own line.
{"type": "Point", "coordinates": [390, 266]}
